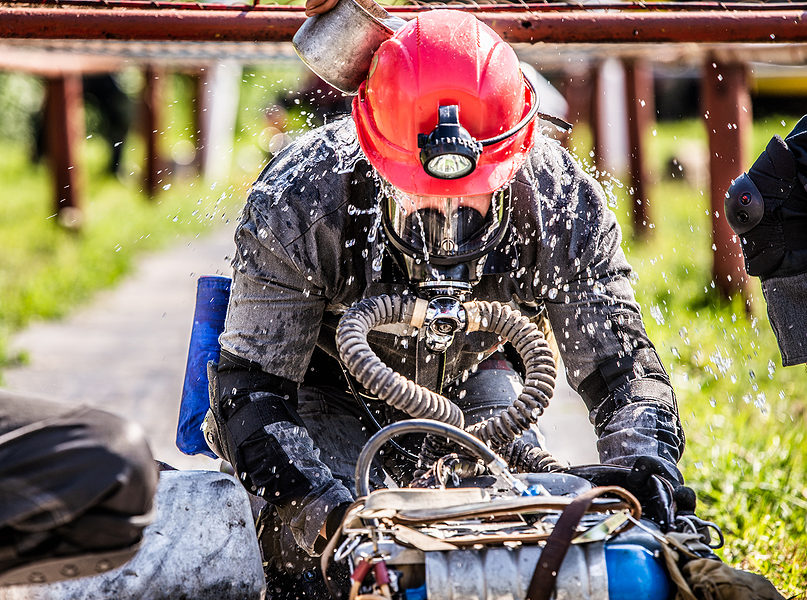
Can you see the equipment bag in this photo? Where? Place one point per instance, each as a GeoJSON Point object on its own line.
{"type": "Point", "coordinates": [212, 297]}
{"type": "Point", "coordinates": [709, 579]}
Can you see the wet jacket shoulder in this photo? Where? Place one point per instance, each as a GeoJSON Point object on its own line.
{"type": "Point", "coordinates": [570, 246]}
{"type": "Point", "coordinates": [579, 234]}
{"type": "Point", "coordinates": [293, 254]}
{"type": "Point", "coordinates": [299, 202]}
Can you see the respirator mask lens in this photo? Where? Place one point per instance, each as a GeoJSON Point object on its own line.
{"type": "Point", "coordinates": [445, 230]}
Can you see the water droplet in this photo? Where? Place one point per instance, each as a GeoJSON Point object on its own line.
{"type": "Point", "coordinates": [656, 313]}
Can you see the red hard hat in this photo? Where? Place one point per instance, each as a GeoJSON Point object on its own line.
{"type": "Point", "coordinates": [443, 57]}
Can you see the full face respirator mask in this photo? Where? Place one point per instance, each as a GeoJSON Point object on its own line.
{"type": "Point", "coordinates": [442, 244]}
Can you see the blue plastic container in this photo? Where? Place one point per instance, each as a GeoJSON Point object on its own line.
{"type": "Point", "coordinates": [212, 297]}
{"type": "Point", "coordinates": [635, 573]}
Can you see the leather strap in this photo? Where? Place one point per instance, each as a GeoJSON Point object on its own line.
{"type": "Point", "coordinates": [557, 545]}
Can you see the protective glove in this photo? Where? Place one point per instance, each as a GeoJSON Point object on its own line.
{"type": "Point", "coordinates": [767, 207]}
{"type": "Point", "coordinates": [659, 491]}
{"type": "Point", "coordinates": [655, 483]}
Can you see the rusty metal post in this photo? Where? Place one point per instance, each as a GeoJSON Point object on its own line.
{"type": "Point", "coordinates": [598, 121]}
{"type": "Point", "coordinates": [727, 111]}
{"type": "Point", "coordinates": [200, 104]}
{"type": "Point", "coordinates": [641, 116]}
{"type": "Point", "coordinates": [152, 107]}
{"type": "Point", "coordinates": [64, 116]}
{"type": "Point", "coordinates": [576, 89]}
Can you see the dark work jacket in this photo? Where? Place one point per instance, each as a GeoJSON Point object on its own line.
{"type": "Point", "coordinates": [309, 244]}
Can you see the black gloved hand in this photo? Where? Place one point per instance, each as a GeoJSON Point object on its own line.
{"type": "Point", "coordinates": [767, 207]}
{"type": "Point", "coordinates": [655, 486]}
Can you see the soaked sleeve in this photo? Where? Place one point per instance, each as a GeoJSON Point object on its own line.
{"type": "Point", "coordinates": [289, 252]}
{"type": "Point", "coordinates": [275, 307]}
{"type": "Point", "coordinates": [584, 281]}
{"type": "Point", "coordinates": [583, 276]}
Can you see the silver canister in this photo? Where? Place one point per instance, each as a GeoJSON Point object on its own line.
{"type": "Point", "coordinates": [339, 45]}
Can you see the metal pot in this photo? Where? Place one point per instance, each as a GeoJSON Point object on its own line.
{"type": "Point", "coordinates": [339, 45]}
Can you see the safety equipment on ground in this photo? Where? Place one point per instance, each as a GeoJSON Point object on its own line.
{"type": "Point", "coordinates": [767, 207]}
{"type": "Point", "coordinates": [698, 578]}
{"type": "Point", "coordinates": [449, 59]}
{"type": "Point", "coordinates": [533, 533]}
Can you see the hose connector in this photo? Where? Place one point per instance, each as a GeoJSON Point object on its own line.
{"type": "Point", "coordinates": [445, 316]}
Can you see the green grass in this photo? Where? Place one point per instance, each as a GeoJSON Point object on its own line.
{"type": "Point", "coordinates": [47, 270]}
{"type": "Point", "coordinates": [744, 414]}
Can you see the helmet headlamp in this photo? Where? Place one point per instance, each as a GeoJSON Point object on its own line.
{"type": "Point", "coordinates": [450, 152]}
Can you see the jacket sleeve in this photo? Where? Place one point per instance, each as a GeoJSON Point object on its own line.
{"type": "Point", "coordinates": [786, 298]}
{"type": "Point", "coordinates": [584, 280]}
{"type": "Point", "coordinates": [279, 293]}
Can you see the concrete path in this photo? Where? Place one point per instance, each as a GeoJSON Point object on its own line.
{"type": "Point", "coordinates": [126, 352]}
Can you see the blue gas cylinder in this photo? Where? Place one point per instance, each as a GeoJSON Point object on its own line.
{"type": "Point", "coordinates": [635, 573]}
{"type": "Point", "coordinates": [212, 297]}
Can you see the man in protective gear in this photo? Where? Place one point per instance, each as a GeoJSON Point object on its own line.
{"type": "Point", "coordinates": [440, 183]}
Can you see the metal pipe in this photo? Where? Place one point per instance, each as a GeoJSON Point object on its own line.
{"type": "Point", "coordinates": [496, 464]}
{"type": "Point", "coordinates": [149, 25]}
{"type": "Point", "coordinates": [502, 7]}
{"type": "Point", "coordinates": [519, 25]}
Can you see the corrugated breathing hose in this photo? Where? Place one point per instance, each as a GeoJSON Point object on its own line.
{"type": "Point", "coordinates": [394, 389]}
{"type": "Point", "coordinates": [376, 377]}
{"type": "Point", "coordinates": [539, 365]}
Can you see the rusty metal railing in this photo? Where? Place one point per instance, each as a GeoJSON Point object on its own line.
{"type": "Point", "coordinates": [556, 24]}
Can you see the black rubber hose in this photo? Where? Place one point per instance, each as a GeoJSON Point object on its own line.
{"type": "Point", "coordinates": [418, 401]}
{"type": "Point", "coordinates": [376, 377]}
{"type": "Point", "coordinates": [442, 430]}
{"type": "Point", "coordinates": [523, 457]}
{"type": "Point", "coordinates": [539, 364]}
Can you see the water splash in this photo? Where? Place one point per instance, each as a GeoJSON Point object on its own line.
{"type": "Point", "coordinates": [656, 313]}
